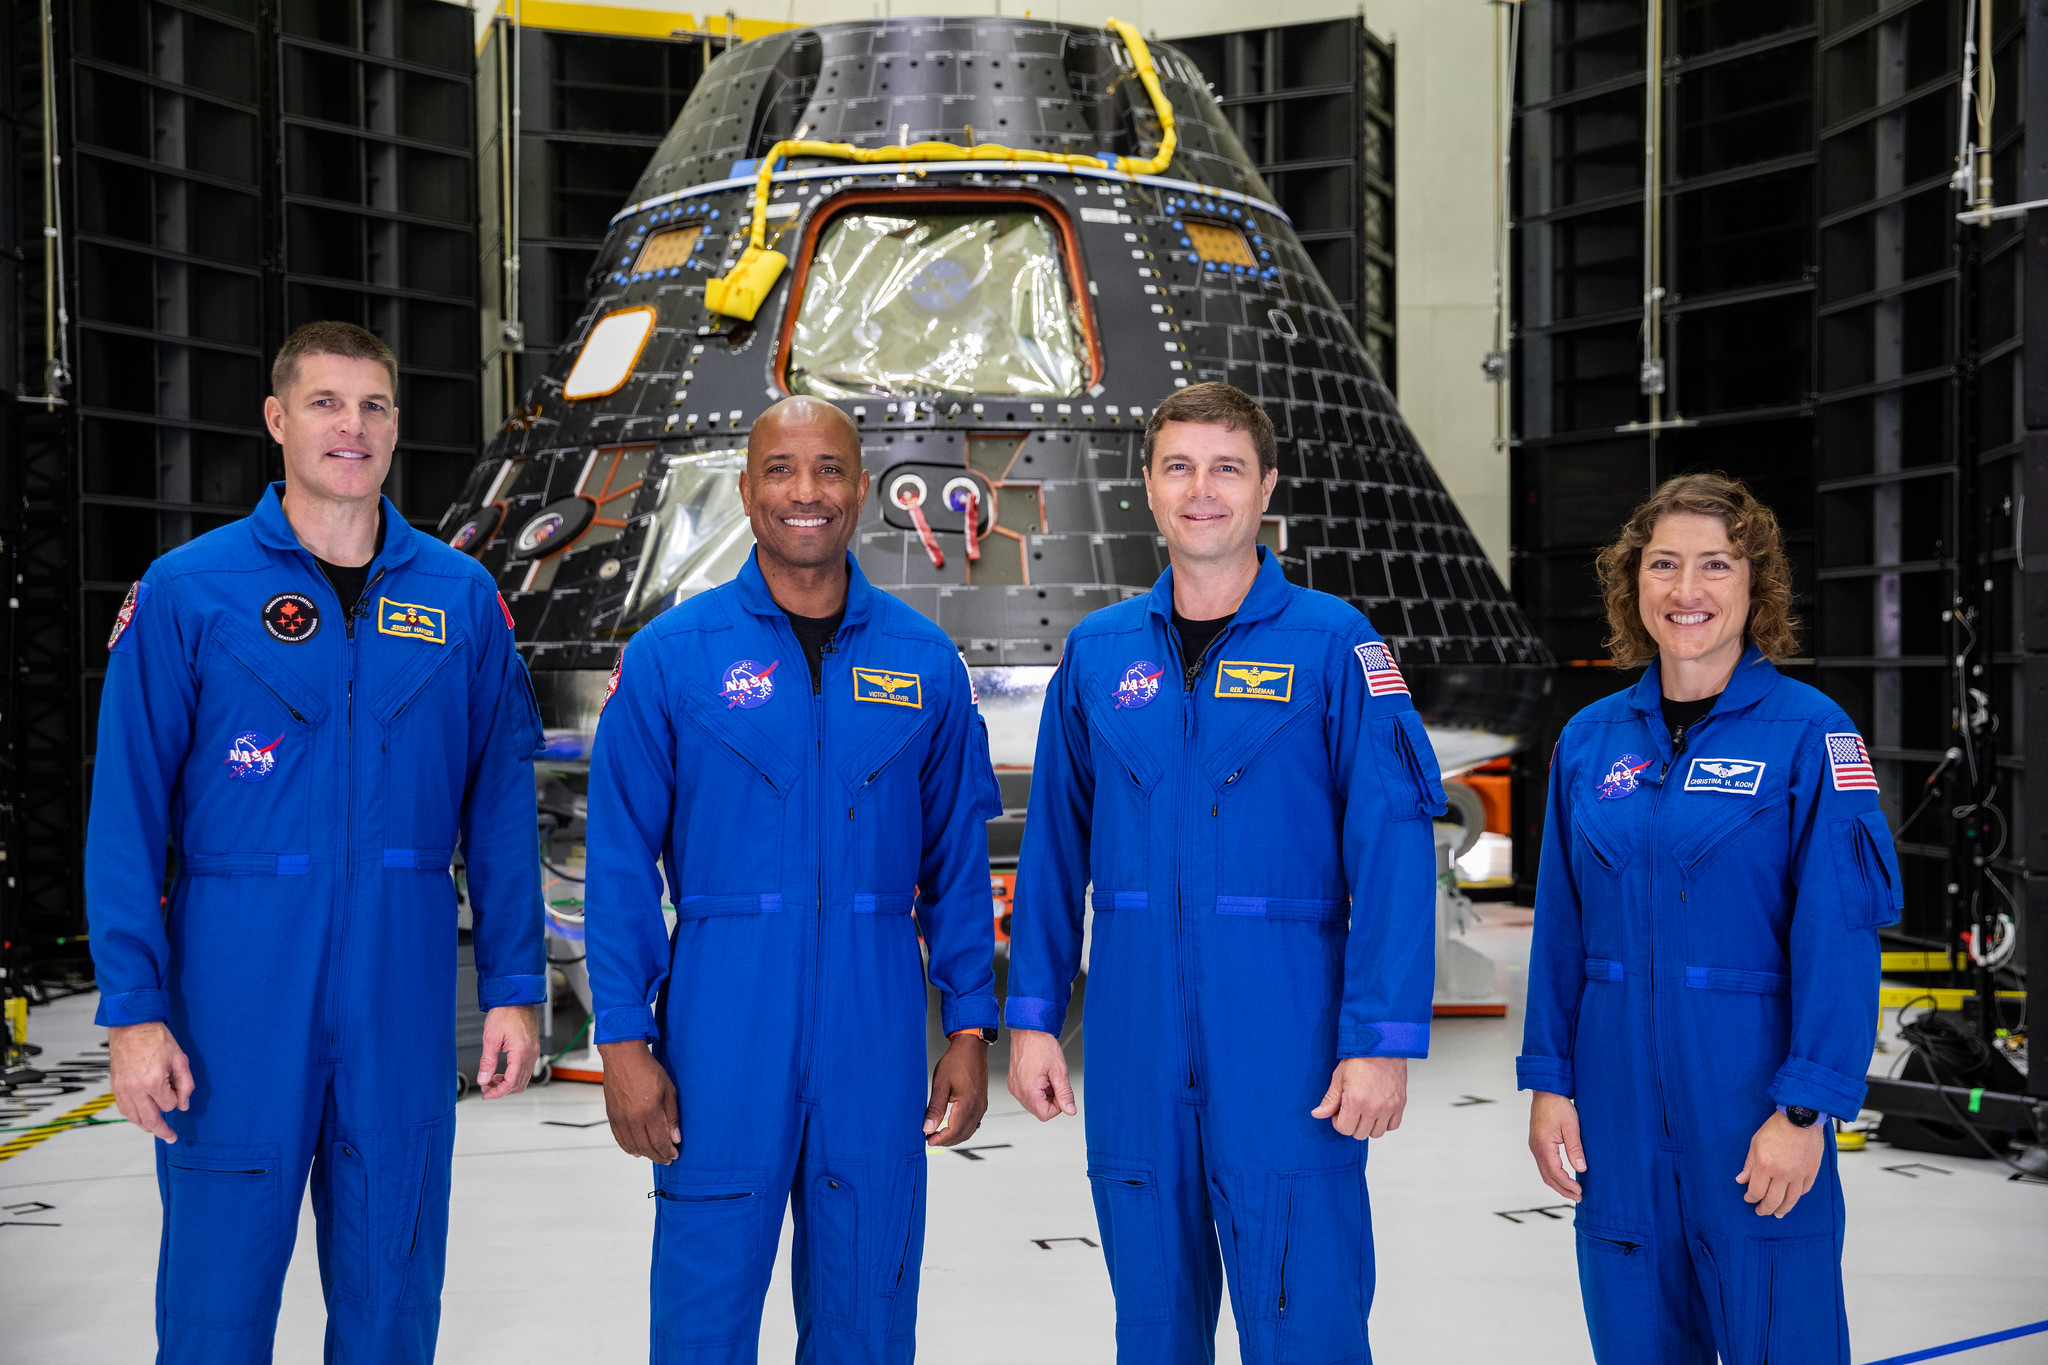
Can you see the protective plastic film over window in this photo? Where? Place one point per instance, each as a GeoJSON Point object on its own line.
{"type": "Point", "coordinates": [698, 539]}
{"type": "Point", "coordinates": [938, 303]}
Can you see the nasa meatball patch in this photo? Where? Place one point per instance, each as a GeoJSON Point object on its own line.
{"type": "Point", "coordinates": [291, 618]}
{"type": "Point", "coordinates": [1735, 776]}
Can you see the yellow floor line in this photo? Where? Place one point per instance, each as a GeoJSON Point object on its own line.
{"type": "Point", "coordinates": [55, 1126]}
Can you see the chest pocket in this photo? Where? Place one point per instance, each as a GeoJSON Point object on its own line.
{"type": "Point", "coordinates": [427, 684]}
{"type": "Point", "coordinates": [732, 782]}
{"type": "Point", "coordinates": [256, 753]}
{"type": "Point", "coordinates": [1120, 733]}
{"type": "Point", "coordinates": [1126, 775]}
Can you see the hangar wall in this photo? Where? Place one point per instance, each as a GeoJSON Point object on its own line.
{"type": "Point", "coordinates": [1814, 319]}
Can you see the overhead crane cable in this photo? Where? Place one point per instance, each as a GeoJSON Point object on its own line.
{"type": "Point", "coordinates": [741, 291]}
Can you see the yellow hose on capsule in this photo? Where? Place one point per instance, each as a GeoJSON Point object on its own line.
{"type": "Point", "coordinates": [741, 291]}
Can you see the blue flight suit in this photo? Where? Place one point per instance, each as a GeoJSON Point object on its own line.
{"type": "Point", "coordinates": [1705, 950]}
{"type": "Point", "coordinates": [1237, 954]}
{"type": "Point", "coordinates": [809, 840]}
{"type": "Point", "coordinates": [312, 772]}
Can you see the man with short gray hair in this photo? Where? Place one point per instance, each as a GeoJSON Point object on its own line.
{"type": "Point", "coordinates": [313, 707]}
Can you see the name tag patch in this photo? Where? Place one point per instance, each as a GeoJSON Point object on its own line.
{"type": "Point", "coordinates": [891, 689]}
{"type": "Point", "coordinates": [413, 621]}
{"type": "Point", "coordinates": [1265, 682]}
{"type": "Point", "coordinates": [1736, 776]}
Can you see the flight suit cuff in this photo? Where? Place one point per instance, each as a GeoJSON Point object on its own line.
{"type": "Point", "coordinates": [1807, 1085]}
{"type": "Point", "coordinates": [132, 1007]}
{"type": "Point", "coordinates": [1390, 1039]}
{"type": "Point", "coordinates": [494, 991]}
{"type": "Point", "coordinates": [1553, 1074]}
{"type": "Point", "coordinates": [968, 1012]}
{"type": "Point", "coordinates": [624, 1024]}
{"type": "Point", "coordinates": [1024, 1011]}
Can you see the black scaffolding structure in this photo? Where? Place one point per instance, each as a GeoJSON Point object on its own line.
{"type": "Point", "coordinates": [225, 170]}
{"type": "Point", "coordinates": [1810, 315]}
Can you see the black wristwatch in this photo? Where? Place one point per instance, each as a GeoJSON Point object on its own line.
{"type": "Point", "coordinates": [1799, 1116]}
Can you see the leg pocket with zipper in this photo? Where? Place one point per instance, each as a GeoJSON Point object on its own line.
{"type": "Point", "coordinates": [347, 1217]}
{"type": "Point", "coordinates": [1618, 1283]}
{"type": "Point", "coordinates": [1127, 1211]}
{"type": "Point", "coordinates": [1320, 1289]}
{"type": "Point", "coordinates": [709, 1266]}
{"type": "Point", "coordinates": [419, 1236]}
{"type": "Point", "coordinates": [226, 1241]}
{"type": "Point", "coordinates": [833, 1214]}
{"type": "Point", "coordinates": [900, 1270]}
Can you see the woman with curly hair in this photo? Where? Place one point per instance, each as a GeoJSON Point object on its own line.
{"type": "Point", "coordinates": [1703, 979]}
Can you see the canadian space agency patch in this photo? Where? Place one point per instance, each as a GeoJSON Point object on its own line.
{"type": "Point", "coordinates": [291, 617]}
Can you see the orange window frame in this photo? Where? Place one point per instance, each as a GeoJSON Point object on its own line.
{"type": "Point", "coordinates": [1070, 255]}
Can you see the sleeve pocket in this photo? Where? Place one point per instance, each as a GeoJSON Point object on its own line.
{"type": "Point", "coordinates": [1422, 796]}
{"type": "Point", "coordinates": [981, 771]}
{"type": "Point", "coordinates": [1872, 896]}
{"type": "Point", "coordinates": [527, 737]}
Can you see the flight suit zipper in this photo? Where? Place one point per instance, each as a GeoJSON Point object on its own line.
{"type": "Point", "coordinates": [1191, 675]}
{"type": "Point", "coordinates": [338, 977]}
{"type": "Point", "coordinates": [1656, 919]}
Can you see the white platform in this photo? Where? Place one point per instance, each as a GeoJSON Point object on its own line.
{"type": "Point", "coordinates": [548, 1259]}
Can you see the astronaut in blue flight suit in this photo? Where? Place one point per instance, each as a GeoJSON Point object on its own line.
{"type": "Point", "coordinates": [313, 722]}
{"type": "Point", "coordinates": [1703, 978]}
{"type": "Point", "coordinates": [812, 827]}
{"type": "Point", "coordinates": [1235, 765]}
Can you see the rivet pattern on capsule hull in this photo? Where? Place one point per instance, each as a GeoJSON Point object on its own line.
{"type": "Point", "coordinates": [999, 330]}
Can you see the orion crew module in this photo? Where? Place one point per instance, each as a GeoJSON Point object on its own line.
{"type": "Point", "coordinates": [995, 243]}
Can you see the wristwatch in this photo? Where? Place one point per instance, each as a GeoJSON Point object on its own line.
{"type": "Point", "coordinates": [1799, 1116]}
{"type": "Point", "coordinates": [987, 1035]}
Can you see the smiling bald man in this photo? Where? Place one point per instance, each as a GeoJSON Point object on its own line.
{"type": "Point", "coordinates": [804, 754]}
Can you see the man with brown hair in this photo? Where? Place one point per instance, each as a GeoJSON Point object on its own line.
{"type": "Point", "coordinates": [311, 707]}
{"type": "Point", "coordinates": [1233, 763]}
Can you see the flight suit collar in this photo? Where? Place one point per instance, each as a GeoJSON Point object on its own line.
{"type": "Point", "coordinates": [755, 597]}
{"type": "Point", "coordinates": [1268, 594]}
{"type": "Point", "coordinates": [1754, 677]}
{"type": "Point", "coordinates": [274, 529]}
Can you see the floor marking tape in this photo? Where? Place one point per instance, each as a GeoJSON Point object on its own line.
{"type": "Point", "coordinates": [43, 1131]}
{"type": "Point", "coordinates": [1970, 1345]}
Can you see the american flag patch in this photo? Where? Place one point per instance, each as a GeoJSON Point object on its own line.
{"type": "Point", "coordinates": [1382, 676]}
{"type": "Point", "coordinates": [1849, 761]}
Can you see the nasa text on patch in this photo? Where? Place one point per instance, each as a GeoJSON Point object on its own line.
{"type": "Point", "coordinates": [412, 621]}
{"type": "Point", "coordinates": [890, 688]}
{"type": "Point", "coordinates": [1736, 776]}
{"type": "Point", "coordinates": [1264, 682]}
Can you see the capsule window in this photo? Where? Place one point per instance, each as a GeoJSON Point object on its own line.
{"type": "Point", "coordinates": [665, 250]}
{"type": "Point", "coordinates": [956, 299]}
{"type": "Point", "coordinates": [606, 361]}
{"type": "Point", "coordinates": [1221, 245]}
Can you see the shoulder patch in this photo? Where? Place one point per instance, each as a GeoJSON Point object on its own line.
{"type": "Point", "coordinates": [973, 693]}
{"type": "Point", "coordinates": [618, 667]}
{"type": "Point", "coordinates": [1382, 675]}
{"type": "Point", "coordinates": [509, 626]}
{"type": "Point", "coordinates": [138, 593]}
{"type": "Point", "coordinates": [1849, 763]}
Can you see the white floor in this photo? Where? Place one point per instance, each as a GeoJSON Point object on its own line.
{"type": "Point", "coordinates": [551, 1227]}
